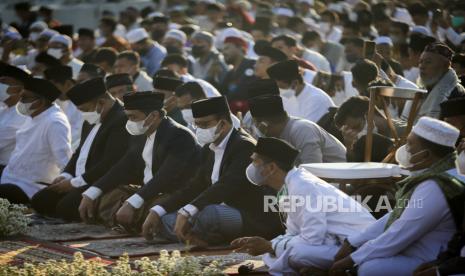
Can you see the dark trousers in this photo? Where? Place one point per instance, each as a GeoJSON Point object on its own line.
{"type": "Point", "coordinates": [61, 205]}
{"type": "Point", "coordinates": [13, 193]}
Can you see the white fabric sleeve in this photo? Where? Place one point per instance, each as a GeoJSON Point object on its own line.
{"type": "Point", "coordinates": [136, 201]}
{"type": "Point", "coordinates": [190, 209]}
{"type": "Point", "coordinates": [59, 139]}
{"type": "Point", "coordinates": [78, 182]}
{"type": "Point", "coordinates": [92, 193]}
{"type": "Point", "coordinates": [159, 210]}
{"type": "Point", "coordinates": [370, 233]}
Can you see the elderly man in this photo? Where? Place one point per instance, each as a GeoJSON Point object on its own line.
{"type": "Point", "coordinates": [104, 142]}
{"type": "Point", "coordinates": [119, 84]}
{"type": "Point", "coordinates": [11, 85]}
{"type": "Point", "coordinates": [43, 145]}
{"type": "Point", "coordinates": [437, 76]}
{"type": "Point", "coordinates": [128, 62]}
{"type": "Point", "coordinates": [151, 53]}
{"type": "Point", "coordinates": [428, 210]}
{"type": "Point", "coordinates": [60, 47]}
{"type": "Point", "coordinates": [314, 233]}
{"type": "Point", "coordinates": [301, 99]}
{"type": "Point", "coordinates": [314, 143]}
{"type": "Point", "coordinates": [209, 64]}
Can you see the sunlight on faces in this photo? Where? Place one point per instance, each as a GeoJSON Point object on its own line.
{"type": "Point", "coordinates": [135, 115]}
{"type": "Point", "coordinates": [91, 106]}
{"type": "Point", "coordinates": [353, 123]}
{"type": "Point", "coordinates": [14, 86]}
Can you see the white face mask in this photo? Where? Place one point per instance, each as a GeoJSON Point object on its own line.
{"type": "Point", "coordinates": [187, 116]}
{"type": "Point", "coordinates": [3, 94]}
{"type": "Point", "coordinates": [24, 108]}
{"type": "Point", "coordinates": [460, 163]}
{"type": "Point", "coordinates": [136, 128]}
{"type": "Point", "coordinates": [207, 135]}
{"type": "Point", "coordinates": [403, 157]}
{"type": "Point", "coordinates": [91, 117]}
{"type": "Point", "coordinates": [55, 52]}
{"type": "Point", "coordinates": [287, 93]}
{"type": "Point", "coordinates": [253, 175]}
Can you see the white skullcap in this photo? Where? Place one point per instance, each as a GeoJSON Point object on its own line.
{"type": "Point", "coordinates": [436, 131]}
{"type": "Point", "coordinates": [41, 25]}
{"type": "Point", "coordinates": [178, 35]}
{"type": "Point", "coordinates": [421, 30]}
{"type": "Point", "coordinates": [61, 38]}
{"type": "Point", "coordinates": [283, 11]}
{"type": "Point", "coordinates": [136, 35]}
{"type": "Point", "coordinates": [309, 2]}
{"type": "Point", "coordinates": [383, 40]}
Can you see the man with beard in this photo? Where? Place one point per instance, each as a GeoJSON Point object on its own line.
{"type": "Point", "coordinates": [242, 73]}
{"type": "Point", "coordinates": [437, 76]}
{"type": "Point", "coordinates": [209, 64]}
{"type": "Point", "coordinates": [159, 24]}
{"type": "Point", "coordinates": [151, 53]}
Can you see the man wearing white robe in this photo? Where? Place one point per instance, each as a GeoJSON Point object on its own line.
{"type": "Point", "coordinates": [401, 241]}
{"type": "Point", "coordinates": [315, 227]}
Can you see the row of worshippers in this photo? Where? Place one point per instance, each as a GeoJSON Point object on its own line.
{"type": "Point", "coordinates": [216, 201]}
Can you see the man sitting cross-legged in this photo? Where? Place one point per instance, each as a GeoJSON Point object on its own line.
{"type": "Point", "coordinates": [218, 204]}
{"type": "Point", "coordinates": [319, 216]}
{"type": "Point", "coordinates": [160, 159]}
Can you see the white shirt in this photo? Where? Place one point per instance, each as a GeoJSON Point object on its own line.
{"type": "Point", "coordinates": [219, 153]}
{"type": "Point", "coordinates": [313, 225]}
{"type": "Point", "coordinates": [75, 120]}
{"type": "Point", "coordinates": [76, 65]}
{"type": "Point", "coordinates": [311, 104]}
{"type": "Point", "coordinates": [136, 200]}
{"type": "Point", "coordinates": [210, 90]}
{"type": "Point", "coordinates": [422, 231]}
{"type": "Point", "coordinates": [317, 59]}
{"type": "Point", "coordinates": [143, 82]}
{"type": "Point", "coordinates": [43, 148]}
{"type": "Point", "coordinates": [412, 74]}
{"type": "Point", "coordinates": [81, 162]}
{"type": "Point", "coordinates": [10, 122]}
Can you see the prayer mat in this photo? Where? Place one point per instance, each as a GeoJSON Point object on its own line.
{"type": "Point", "coordinates": [134, 247]}
{"type": "Point", "coordinates": [73, 232]}
{"type": "Point", "coordinates": [18, 251]}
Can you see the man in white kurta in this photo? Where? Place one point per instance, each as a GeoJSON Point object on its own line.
{"type": "Point", "coordinates": [319, 216]}
{"type": "Point", "coordinates": [399, 242]}
{"type": "Point", "coordinates": [43, 145]}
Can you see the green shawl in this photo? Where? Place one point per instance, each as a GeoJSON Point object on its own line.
{"type": "Point", "coordinates": [450, 186]}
